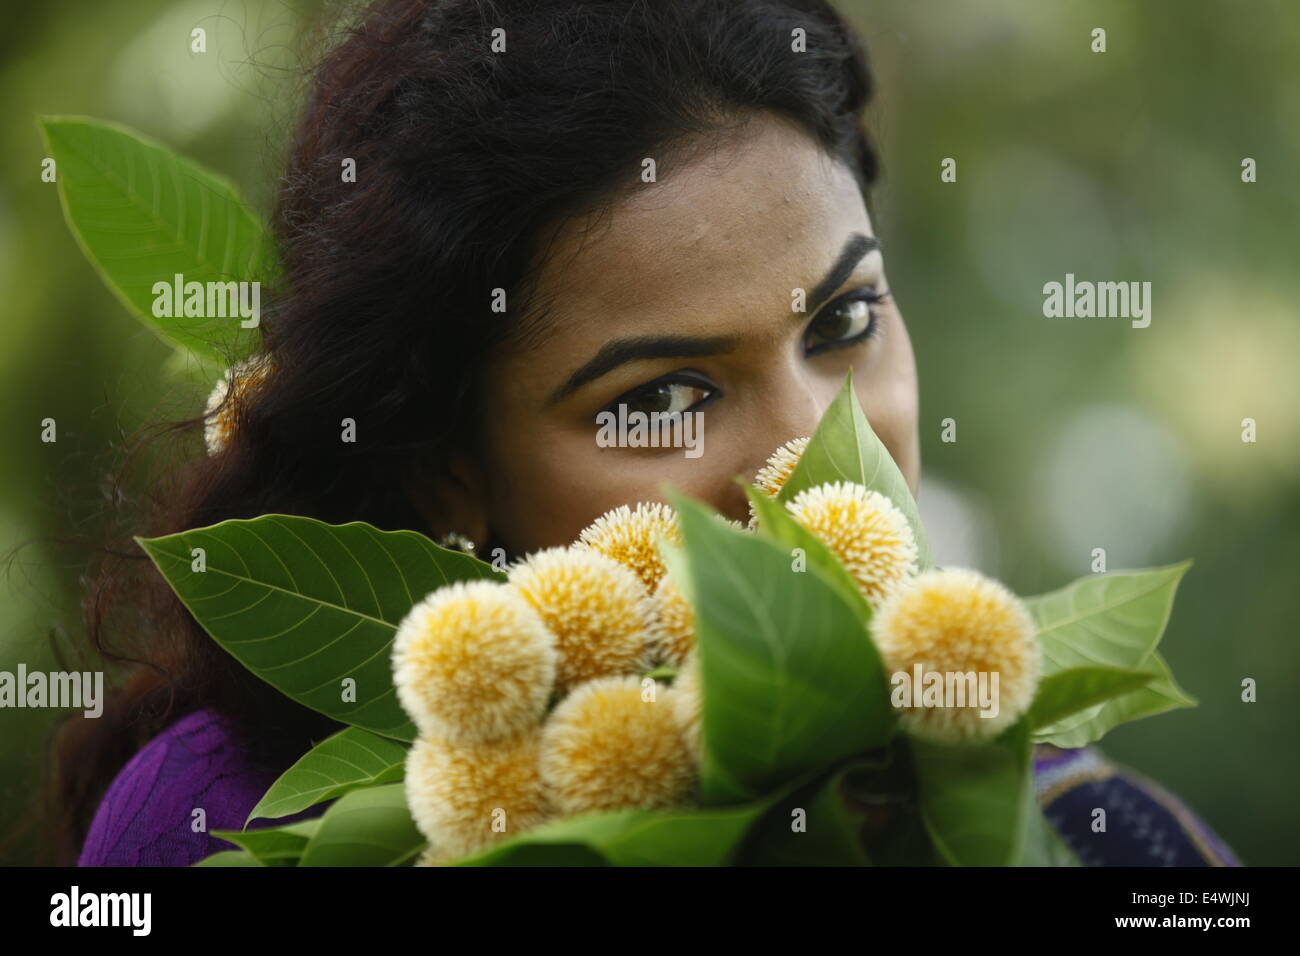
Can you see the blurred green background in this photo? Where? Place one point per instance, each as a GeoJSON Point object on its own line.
{"type": "Point", "coordinates": [1071, 434]}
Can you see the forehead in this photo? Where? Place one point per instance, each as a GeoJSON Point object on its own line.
{"type": "Point", "coordinates": [730, 232]}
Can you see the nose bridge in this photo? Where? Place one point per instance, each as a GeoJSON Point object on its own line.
{"type": "Point", "coordinates": [798, 405]}
{"type": "Point", "coordinates": [792, 408]}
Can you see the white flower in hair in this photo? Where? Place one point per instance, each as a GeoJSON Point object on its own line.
{"type": "Point", "coordinates": [223, 409]}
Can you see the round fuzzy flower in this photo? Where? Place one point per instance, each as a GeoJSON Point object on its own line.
{"type": "Point", "coordinates": [772, 477]}
{"type": "Point", "coordinates": [473, 662]}
{"type": "Point", "coordinates": [464, 798]}
{"type": "Point", "coordinates": [672, 629]}
{"type": "Point", "coordinates": [686, 703]}
{"type": "Point", "coordinates": [955, 622]}
{"type": "Point", "coordinates": [223, 407]}
{"type": "Point", "coordinates": [864, 529]}
{"type": "Point", "coordinates": [597, 609]}
{"type": "Point", "coordinates": [605, 748]}
{"type": "Point", "coordinates": [629, 537]}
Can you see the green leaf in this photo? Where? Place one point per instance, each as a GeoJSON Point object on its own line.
{"type": "Point", "coordinates": [828, 832]}
{"type": "Point", "coordinates": [304, 605]}
{"type": "Point", "coordinates": [229, 858]}
{"type": "Point", "coordinates": [350, 759]}
{"type": "Point", "coordinates": [974, 797]}
{"type": "Point", "coordinates": [1079, 688]}
{"type": "Point", "coordinates": [273, 846]}
{"type": "Point", "coordinates": [686, 837]}
{"type": "Point", "coordinates": [367, 827]}
{"type": "Point", "coordinates": [791, 681]}
{"type": "Point", "coordinates": [664, 672]}
{"type": "Point", "coordinates": [1113, 620]}
{"type": "Point", "coordinates": [844, 448]}
{"type": "Point", "coordinates": [1162, 694]}
{"type": "Point", "coordinates": [569, 847]}
{"type": "Point", "coordinates": [680, 836]}
{"type": "Point", "coordinates": [1043, 845]}
{"type": "Point", "coordinates": [142, 215]}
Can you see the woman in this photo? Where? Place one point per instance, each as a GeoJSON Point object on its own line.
{"type": "Point", "coordinates": [559, 207]}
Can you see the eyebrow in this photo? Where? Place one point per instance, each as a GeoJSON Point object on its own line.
{"type": "Point", "coordinates": [617, 352]}
{"type": "Point", "coordinates": [855, 249]}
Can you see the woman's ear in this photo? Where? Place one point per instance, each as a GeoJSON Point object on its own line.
{"type": "Point", "coordinates": [450, 494]}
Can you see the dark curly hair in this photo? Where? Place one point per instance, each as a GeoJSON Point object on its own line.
{"type": "Point", "coordinates": [467, 160]}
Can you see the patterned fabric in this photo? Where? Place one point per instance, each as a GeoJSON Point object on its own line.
{"type": "Point", "coordinates": [146, 817]}
{"type": "Point", "coordinates": [1145, 825]}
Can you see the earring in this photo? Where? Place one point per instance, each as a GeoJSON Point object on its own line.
{"type": "Point", "coordinates": [455, 541]}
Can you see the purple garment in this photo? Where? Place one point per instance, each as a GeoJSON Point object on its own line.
{"type": "Point", "coordinates": [146, 817]}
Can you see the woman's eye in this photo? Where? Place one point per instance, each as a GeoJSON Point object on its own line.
{"type": "Point", "coordinates": [844, 322]}
{"type": "Point", "coordinates": [664, 396]}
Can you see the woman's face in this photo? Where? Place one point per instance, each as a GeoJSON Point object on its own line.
{"type": "Point", "coordinates": [681, 300]}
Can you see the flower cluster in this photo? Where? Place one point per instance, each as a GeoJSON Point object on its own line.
{"type": "Point", "coordinates": [532, 698]}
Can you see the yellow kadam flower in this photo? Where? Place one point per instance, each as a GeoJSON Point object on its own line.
{"type": "Point", "coordinates": [473, 662]}
{"type": "Point", "coordinates": [465, 798]}
{"type": "Point", "coordinates": [864, 529]}
{"type": "Point", "coordinates": [955, 622]}
{"type": "Point", "coordinates": [224, 407]}
{"type": "Point", "coordinates": [771, 478]}
{"type": "Point", "coordinates": [672, 628]}
{"type": "Point", "coordinates": [607, 748]}
{"type": "Point", "coordinates": [597, 609]}
{"type": "Point", "coordinates": [628, 536]}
